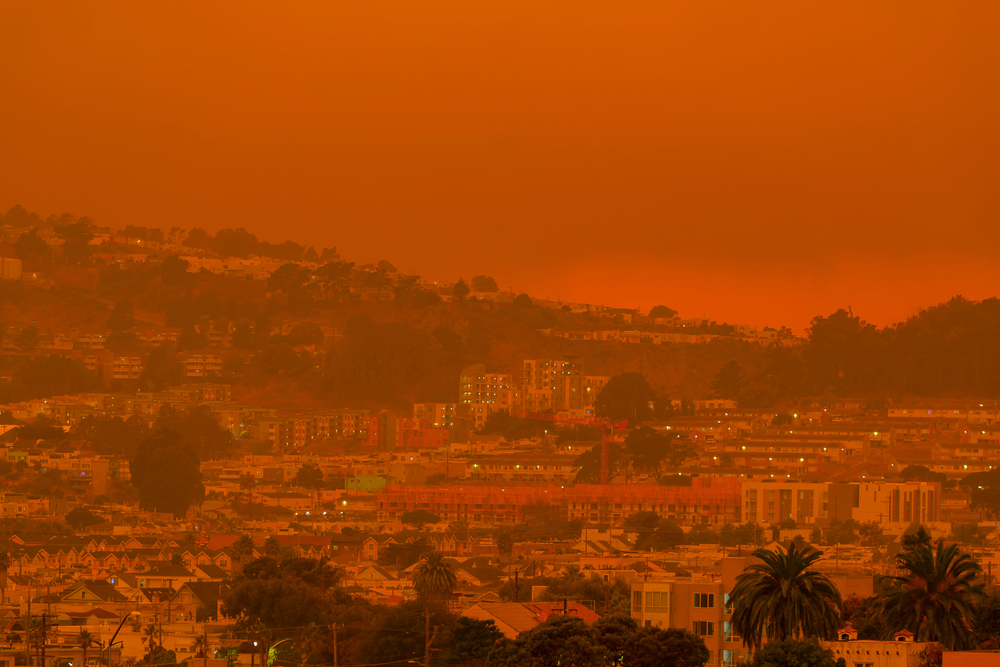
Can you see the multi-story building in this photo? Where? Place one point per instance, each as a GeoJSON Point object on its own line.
{"type": "Point", "coordinates": [202, 365]}
{"type": "Point", "coordinates": [485, 392]}
{"type": "Point", "coordinates": [976, 412]}
{"type": "Point", "coordinates": [571, 389]}
{"type": "Point", "coordinates": [544, 384]}
{"type": "Point", "coordinates": [698, 605]}
{"type": "Point", "coordinates": [708, 501]}
{"type": "Point", "coordinates": [524, 467]}
{"type": "Point", "coordinates": [769, 502]}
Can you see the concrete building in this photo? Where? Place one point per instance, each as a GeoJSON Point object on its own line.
{"type": "Point", "coordinates": [767, 502]}
{"type": "Point", "coordinates": [770, 501]}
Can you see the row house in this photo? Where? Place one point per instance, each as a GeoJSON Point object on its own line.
{"type": "Point", "coordinates": [977, 451]}
{"type": "Point", "coordinates": [836, 448]}
{"type": "Point", "coordinates": [977, 412]}
{"type": "Point", "coordinates": [707, 501]}
{"type": "Point", "coordinates": [700, 430]}
{"type": "Point", "coordinates": [522, 467]}
{"type": "Point", "coordinates": [788, 464]}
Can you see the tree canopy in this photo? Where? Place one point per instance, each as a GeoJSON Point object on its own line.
{"type": "Point", "coordinates": [625, 397]}
{"type": "Point", "coordinates": [166, 473]}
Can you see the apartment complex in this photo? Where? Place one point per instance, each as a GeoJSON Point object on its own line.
{"type": "Point", "coordinates": [543, 385]}
{"type": "Point", "coordinates": [768, 502]}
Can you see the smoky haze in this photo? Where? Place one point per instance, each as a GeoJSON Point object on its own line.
{"type": "Point", "coordinates": [760, 163]}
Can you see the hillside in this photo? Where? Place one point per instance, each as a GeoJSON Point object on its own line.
{"type": "Point", "coordinates": [323, 331]}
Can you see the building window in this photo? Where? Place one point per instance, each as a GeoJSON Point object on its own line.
{"type": "Point", "coordinates": [704, 600]}
{"type": "Point", "coordinates": [657, 602]}
{"type": "Point", "coordinates": [637, 602]}
{"type": "Point", "coordinates": [704, 628]}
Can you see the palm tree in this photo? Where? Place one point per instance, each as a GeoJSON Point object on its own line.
{"type": "Point", "coordinates": [934, 597]}
{"type": "Point", "coordinates": [243, 549]}
{"type": "Point", "coordinates": [434, 578]}
{"type": "Point", "coordinates": [572, 573]}
{"type": "Point", "coordinates": [200, 646]}
{"type": "Point", "coordinates": [149, 636]}
{"type": "Point", "coordinates": [85, 640]}
{"type": "Point", "coordinates": [781, 598]}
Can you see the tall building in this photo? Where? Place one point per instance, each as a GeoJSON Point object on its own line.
{"type": "Point", "coordinates": [544, 384]}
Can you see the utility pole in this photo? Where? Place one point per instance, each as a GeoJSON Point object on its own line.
{"type": "Point", "coordinates": [42, 647]}
{"type": "Point", "coordinates": [27, 642]}
{"type": "Point", "coordinates": [204, 648]}
{"type": "Point", "coordinates": [516, 598]}
{"type": "Point", "coordinates": [428, 637]}
{"type": "Point", "coordinates": [335, 645]}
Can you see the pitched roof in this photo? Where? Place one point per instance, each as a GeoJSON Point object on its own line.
{"type": "Point", "coordinates": [523, 616]}
{"type": "Point", "coordinates": [211, 571]}
{"type": "Point", "coordinates": [100, 589]}
{"type": "Point", "coordinates": [168, 571]}
{"type": "Point", "coordinates": [206, 592]}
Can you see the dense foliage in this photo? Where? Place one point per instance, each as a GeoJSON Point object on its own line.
{"type": "Point", "coordinates": [780, 598]}
{"type": "Point", "coordinates": [166, 473]}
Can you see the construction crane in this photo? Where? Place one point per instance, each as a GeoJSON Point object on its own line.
{"type": "Point", "coordinates": [605, 425]}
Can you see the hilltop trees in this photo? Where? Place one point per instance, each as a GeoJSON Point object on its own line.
{"type": "Point", "coordinates": [80, 517]}
{"type": "Point", "coordinates": [166, 473]}
{"type": "Point", "coordinates": [112, 435]}
{"type": "Point", "coordinates": [654, 451]}
{"type": "Point", "coordinates": [625, 397]}
{"type": "Point", "coordinates": [781, 598]}
{"type": "Point", "coordinates": [729, 382]}
{"type": "Point", "coordinates": [662, 311]}
{"type": "Point", "coordinates": [984, 489]}
{"type": "Point", "coordinates": [309, 476]}
{"type": "Point", "coordinates": [198, 428]}
{"type": "Point", "coordinates": [589, 463]}
{"type": "Point", "coordinates": [484, 284]}
{"type": "Point", "coordinates": [419, 517]}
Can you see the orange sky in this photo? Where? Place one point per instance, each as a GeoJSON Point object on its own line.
{"type": "Point", "coordinates": [754, 162]}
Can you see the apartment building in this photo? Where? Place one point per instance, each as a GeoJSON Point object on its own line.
{"type": "Point", "coordinates": [571, 388]}
{"type": "Point", "coordinates": [389, 432]}
{"type": "Point", "coordinates": [523, 467]}
{"type": "Point", "coordinates": [202, 365]}
{"type": "Point", "coordinates": [977, 412]}
{"type": "Point", "coordinates": [699, 605]}
{"type": "Point", "coordinates": [768, 502]}
{"type": "Point", "coordinates": [108, 366]}
{"type": "Point", "coordinates": [543, 384]}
